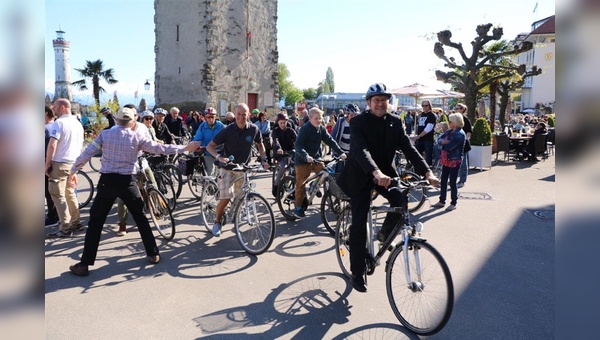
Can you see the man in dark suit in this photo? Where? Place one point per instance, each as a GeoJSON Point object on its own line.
{"type": "Point", "coordinates": [376, 135]}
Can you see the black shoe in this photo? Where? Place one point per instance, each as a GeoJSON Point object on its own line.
{"type": "Point", "coordinates": [79, 269]}
{"type": "Point", "coordinates": [358, 283]}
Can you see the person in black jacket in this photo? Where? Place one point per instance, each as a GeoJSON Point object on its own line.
{"type": "Point", "coordinates": [376, 135]}
{"type": "Point", "coordinates": [284, 138]}
{"type": "Point", "coordinates": [107, 113]}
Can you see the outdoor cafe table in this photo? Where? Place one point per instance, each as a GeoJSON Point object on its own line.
{"type": "Point", "coordinates": [517, 140]}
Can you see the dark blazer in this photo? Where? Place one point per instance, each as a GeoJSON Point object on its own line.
{"type": "Point", "coordinates": [362, 161]}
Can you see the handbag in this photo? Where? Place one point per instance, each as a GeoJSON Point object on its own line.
{"type": "Point", "coordinates": [467, 146]}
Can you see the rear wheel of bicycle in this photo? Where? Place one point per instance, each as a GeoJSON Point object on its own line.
{"type": "Point", "coordinates": [254, 224]}
{"type": "Point", "coordinates": [286, 196]}
{"type": "Point", "coordinates": [424, 304]}
{"type": "Point", "coordinates": [208, 204]}
{"type": "Point", "coordinates": [342, 240]}
{"type": "Point", "coordinates": [174, 174]}
{"type": "Point", "coordinates": [331, 207]}
{"type": "Point", "coordinates": [160, 214]}
{"type": "Point", "coordinates": [416, 196]}
{"type": "Point", "coordinates": [195, 184]}
{"type": "Point", "coordinates": [84, 190]}
{"type": "Point", "coordinates": [165, 186]}
{"type": "Point", "coordinates": [96, 162]}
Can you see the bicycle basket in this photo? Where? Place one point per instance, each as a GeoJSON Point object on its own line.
{"type": "Point", "coordinates": [155, 160]}
{"type": "Point", "coordinates": [335, 189]}
{"type": "Point", "coordinates": [189, 164]}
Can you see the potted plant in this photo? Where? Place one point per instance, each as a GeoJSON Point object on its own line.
{"type": "Point", "coordinates": [480, 155]}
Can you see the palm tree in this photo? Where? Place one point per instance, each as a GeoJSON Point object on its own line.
{"type": "Point", "coordinates": [95, 70]}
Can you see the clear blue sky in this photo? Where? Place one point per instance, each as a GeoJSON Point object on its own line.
{"type": "Point", "coordinates": [364, 42]}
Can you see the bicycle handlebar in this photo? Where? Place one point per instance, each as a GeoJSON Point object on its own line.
{"type": "Point", "coordinates": [397, 183]}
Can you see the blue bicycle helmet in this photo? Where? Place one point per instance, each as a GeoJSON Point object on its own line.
{"type": "Point", "coordinates": [378, 89]}
{"type": "Point", "coordinates": [352, 108]}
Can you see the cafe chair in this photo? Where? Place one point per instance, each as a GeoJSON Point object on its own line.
{"type": "Point", "coordinates": [550, 141]}
{"type": "Point", "coordinates": [502, 145]}
{"type": "Point", "coordinates": [540, 147]}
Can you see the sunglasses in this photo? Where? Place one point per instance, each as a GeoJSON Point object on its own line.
{"type": "Point", "coordinates": [209, 116]}
{"type": "Point", "coordinates": [148, 118]}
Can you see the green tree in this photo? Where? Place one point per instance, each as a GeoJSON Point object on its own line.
{"type": "Point", "coordinates": [95, 71]}
{"type": "Point", "coordinates": [329, 80]}
{"type": "Point", "coordinates": [482, 133]}
{"type": "Point", "coordinates": [466, 75]}
{"type": "Point", "coordinates": [294, 96]}
{"type": "Point", "coordinates": [310, 93]}
{"type": "Point", "coordinates": [285, 85]}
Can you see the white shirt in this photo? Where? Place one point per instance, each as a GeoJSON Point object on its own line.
{"type": "Point", "coordinates": [69, 133]}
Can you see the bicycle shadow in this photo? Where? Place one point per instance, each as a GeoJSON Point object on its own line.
{"type": "Point", "coordinates": [306, 307]}
{"type": "Point", "coordinates": [378, 331]}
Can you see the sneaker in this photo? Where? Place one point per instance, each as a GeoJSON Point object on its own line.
{"type": "Point", "coordinates": [460, 184]}
{"type": "Point", "coordinates": [299, 212]}
{"type": "Point", "coordinates": [122, 229]}
{"type": "Point", "coordinates": [60, 234]}
{"type": "Point", "coordinates": [50, 223]}
{"type": "Point", "coordinates": [451, 207]}
{"type": "Point", "coordinates": [439, 205]}
{"type": "Point", "coordinates": [216, 229]}
{"type": "Point", "coordinates": [77, 228]}
{"type": "Point", "coordinates": [155, 259]}
{"type": "Point", "coordinates": [358, 283]}
{"type": "Point", "coordinates": [79, 269]}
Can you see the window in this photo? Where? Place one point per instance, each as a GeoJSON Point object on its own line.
{"type": "Point", "coordinates": [178, 34]}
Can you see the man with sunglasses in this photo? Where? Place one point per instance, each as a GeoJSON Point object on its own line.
{"type": "Point", "coordinates": [424, 138]}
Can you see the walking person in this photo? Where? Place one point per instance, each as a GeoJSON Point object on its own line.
{"type": "Point", "coordinates": [409, 122]}
{"type": "Point", "coordinates": [376, 135]}
{"type": "Point", "coordinates": [120, 147]}
{"type": "Point", "coordinates": [52, 216]}
{"type": "Point", "coordinates": [463, 172]}
{"type": "Point", "coordinates": [64, 146]}
{"type": "Point", "coordinates": [425, 132]}
{"type": "Point", "coordinates": [237, 139]}
{"type": "Point", "coordinates": [453, 143]}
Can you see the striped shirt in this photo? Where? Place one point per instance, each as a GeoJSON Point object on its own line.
{"type": "Point", "coordinates": [344, 141]}
{"type": "Point", "coordinates": [120, 147]}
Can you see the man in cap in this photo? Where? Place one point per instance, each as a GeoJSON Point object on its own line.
{"type": "Point", "coordinates": [120, 147]}
{"type": "Point", "coordinates": [254, 117]}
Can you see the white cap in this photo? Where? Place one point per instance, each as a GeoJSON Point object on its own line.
{"type": "Point", "coordinates": [126, 114]}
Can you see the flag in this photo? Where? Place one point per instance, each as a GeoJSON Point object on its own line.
{"type": "Point", "coordinates": [535, 8]}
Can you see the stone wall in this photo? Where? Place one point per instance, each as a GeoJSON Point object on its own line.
{"type": "Point", "coordinates": [215, 62]}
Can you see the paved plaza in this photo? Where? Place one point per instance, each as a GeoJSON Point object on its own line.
{"type": "Point", "coordinates": [499, 245]}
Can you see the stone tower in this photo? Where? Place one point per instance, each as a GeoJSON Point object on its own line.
{"type": "Point", "coordinates": [62, 70]}
{"type": "Point", "coordinates": [216, 53]}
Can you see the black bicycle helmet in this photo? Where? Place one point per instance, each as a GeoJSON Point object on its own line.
{"type": "Point", "coordinates": [105, 110]}
{"type": "Point", "coordinates": [378, 89]}
{"type": "Point", "coordinates": [352, 108]}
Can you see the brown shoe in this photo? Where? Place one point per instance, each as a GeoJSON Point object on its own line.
{"type": "Point", "coordinates": [79, 269]}
{"type": "Point", "coordinates": [155, 259]}
{"type": "Point", "coordinates": [122, 229]}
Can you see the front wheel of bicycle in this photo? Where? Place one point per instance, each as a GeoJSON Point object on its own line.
{"type": "Point", "coordinates": [208, 204]}
{"type": "Point", "coordinates": [286, 193]}
{"type": "Point", "coordinates": [331, 207]}
{"type": "Point", "coordinates": [84, 190]}
{"type": "Point", "coordinates": [416, 195]}
{"type": "Point", "coordinates": [423, 304]}
{"type": "Point", "coordinates": [254, 224]}
{"type": "Point", "coordinates": [160, 214]}
{"type": "Point", "coordinates": [342, 240]}
{"type": "Point", "coordinates": [165, 185]}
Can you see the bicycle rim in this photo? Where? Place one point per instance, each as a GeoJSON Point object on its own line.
{"type": "Point", "coordinates": [416, 196]}
{"type": "Point", "coordinates": [254, 224]}
{"type": "Point", "coordinates": [342, 240]}
{"type": "Point", "coordinates": [285, 197]}
{"type": "Point", "coordinates": [208, 204]}
{"type": "Point", "coordinates": [96, 163]}
{"type": "Point", "coordinates": [161, 214]}
{"type": "Point", "coordinates": [423, 305]}
{"type": "Point", "coordinates": [195, 184]}
{"type": "Point", "coordinates": [165, 186]}
{"type": "Point", "coordinates": [331, 207]}
{"type": "Point", "coordinates": [175, 177]}
{"type": "Point", "coordinates": [84, 190]}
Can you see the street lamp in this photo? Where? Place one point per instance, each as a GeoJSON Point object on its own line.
{"type": "Point", "coordinates": [147, 85]}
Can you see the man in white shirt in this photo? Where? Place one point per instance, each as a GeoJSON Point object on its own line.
{"type": "Point", "coordinates": [66, 141]}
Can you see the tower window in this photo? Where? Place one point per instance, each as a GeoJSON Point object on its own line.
{"type": "Point", "coordinates": [177, 33]}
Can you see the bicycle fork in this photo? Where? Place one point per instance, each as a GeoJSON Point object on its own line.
{"type": "Point", "coordinates": [417, 285]}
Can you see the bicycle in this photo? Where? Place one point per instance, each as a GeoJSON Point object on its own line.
{"type": "Point", "coordinates": [96, 161]}
{"type": "Point", "coordinates": [164, 173]}
{"type": "Point", "coordinates": [156, 205]}
{"type": "Point", "coordinates": [289, 167]}
{"type": "Point", "coordinates": [418, 281]}
{"type": "Point", "coordinates": [253, 218]}
{"type": "Point", "coordinates": [331, 203]}
{"type": "Point", "coordinates": [196, 173]}
{"type": "Point", "coordinates": [417, 195]}
{"type": "Point", "coordinates": [84, 190]}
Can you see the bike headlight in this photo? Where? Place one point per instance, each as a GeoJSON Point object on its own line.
{"type": "Point", "coordinates": [418, 227]}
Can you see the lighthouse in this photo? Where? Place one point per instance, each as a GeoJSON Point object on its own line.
{"type": "Point", "coordinates": [62, 84]}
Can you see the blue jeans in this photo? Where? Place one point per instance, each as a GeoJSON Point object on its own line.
{"type": "Point", "coordinates": [427, 147]}
{"type": "Point", "coordinates": [449, 174]}
{"type": "Point", "coordinates": [464, 168]}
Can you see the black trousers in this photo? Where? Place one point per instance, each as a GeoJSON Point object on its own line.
{"type": "Point", "coordinates": [111, 187]}
{"type": "Point", "coordinates": [52, 213]}
{"type": "Point", "coordinates": [358, 230]}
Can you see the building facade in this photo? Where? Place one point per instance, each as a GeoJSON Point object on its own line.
{"type": "Point", "coordinates": [62, 70]}
{"type": "Point", "coordinates": [216, 53]}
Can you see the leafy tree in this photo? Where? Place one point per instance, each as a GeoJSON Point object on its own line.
{"type": "Point", "coordinates": [329, 80]}
{"type": "Point", "coordinates": [466, 75]}
{"type": "Point", "coordinates": [285, 85]}
{"type": "Point", "coordinates": [310, 93]}
{"type": "Point", "coordinates": [294, 96]}
{"type": "Point", "coordinates": [95, 71]}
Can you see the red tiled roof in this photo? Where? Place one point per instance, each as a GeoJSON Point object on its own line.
{"type": "Point", "coordinates": [546, 28]}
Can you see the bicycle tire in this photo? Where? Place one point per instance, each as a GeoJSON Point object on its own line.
{"type": "Point", "coordinates": [160, 213]}
{"type": "Point", "coordinates": [285, 197]}
{"type": "Point", "coordinates": [416, 196]}
{"type": "Point", "coordinates": [195, 184]}
{"type": "Point", "coordinates": [84, 190]}
{"type": "Point", "coordinates": [174, 174]}
{"type": "Point", "coordinates": [96, 162]}
{"type": "Point", "coordinates": [165, 186]}
{"type": "Point", "coordinates": [415, 302]}
{"type": "Point", "coordinates": [254, 224]}
{"type": "Point", "coordinates": [342, 240]}
{"type": "Point", "coordinates": [331, 207]}
{"type": "Point", "coordinates": [208, 204]}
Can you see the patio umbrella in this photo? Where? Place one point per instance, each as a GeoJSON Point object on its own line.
{"type": "Point", "coordinates": [416, 91]}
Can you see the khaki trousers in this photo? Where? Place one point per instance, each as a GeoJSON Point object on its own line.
{"type": "Point", "coordinates": [63, 195]}
{"type": "Point", "coordinates": [302, 173]}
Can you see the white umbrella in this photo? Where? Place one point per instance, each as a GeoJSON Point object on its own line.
{"type": "Point", "coordinates": [417, 90]}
